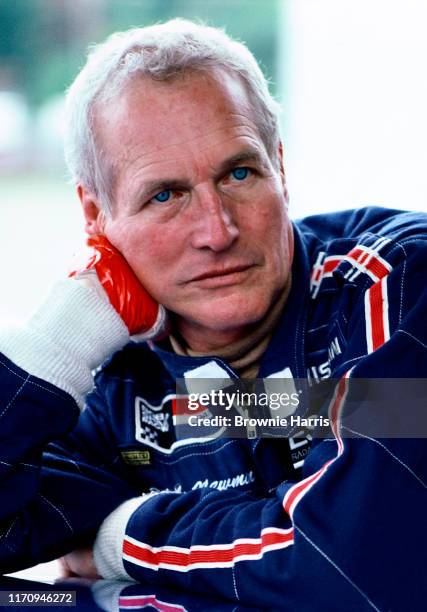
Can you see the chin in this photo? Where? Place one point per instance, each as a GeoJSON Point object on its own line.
{"type": "Point", "coordinates": [232, 314]}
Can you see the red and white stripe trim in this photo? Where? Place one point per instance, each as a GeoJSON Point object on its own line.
{"type": "Point", "coordinates": [363, 259]}
{"type": "Point", "coordinates": [376, 315]}
{"type": "Point", "coordinates": [369, 261]}
{"type": "Point", "coordinates": [209, 557]}
{"type": "Point", "coordinates": [136, 602]}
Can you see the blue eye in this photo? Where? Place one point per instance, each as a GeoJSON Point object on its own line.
{"type": "Point", "coordinates": [240, 173]}
{"type": "Point", "coordinates": [163, 196]}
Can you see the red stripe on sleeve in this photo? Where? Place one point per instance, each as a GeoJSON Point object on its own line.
{"type": "Point", "coordinates": [377, 323]}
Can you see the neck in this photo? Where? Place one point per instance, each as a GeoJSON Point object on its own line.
{"type": "Point", "coordinates": [203, 341]}
{"type": "Point", "coordinates": [241, 347]}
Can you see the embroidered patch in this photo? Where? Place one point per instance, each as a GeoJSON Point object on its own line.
{"type": "Point", "coordinates": [136, 457]}
{"type": "Point", "coordinates": [153, 423]}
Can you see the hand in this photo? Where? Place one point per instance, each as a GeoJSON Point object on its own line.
{"type": "Point", "coordinates": [79, 563]}
{"type": "Point", "coordinates": [140, 312]}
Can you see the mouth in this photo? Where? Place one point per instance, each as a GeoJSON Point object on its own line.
{"type": "Point", "coordinates": [218, 277]}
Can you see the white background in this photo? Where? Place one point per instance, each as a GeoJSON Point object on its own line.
{"type": "Point", "coordinates": [355, 122]}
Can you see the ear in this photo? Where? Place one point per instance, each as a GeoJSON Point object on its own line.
{"type": "Point", "coordinates": [92, 211]}
{"type": "Point", "coordinates": [282, 172]}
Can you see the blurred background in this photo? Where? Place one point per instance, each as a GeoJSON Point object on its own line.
{"type": "Point", "coordinates": [348, 75]}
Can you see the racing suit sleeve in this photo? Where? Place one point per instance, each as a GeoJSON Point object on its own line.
{"type": "Point", "coordinates": [54, 496]}
{"type": "Point", "coordinates": [350, 535]}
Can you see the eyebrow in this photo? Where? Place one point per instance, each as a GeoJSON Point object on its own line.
{"type": "Point", "coordinates": [245, 156]}
{"type": "Point", "coordinates": [158, 185]}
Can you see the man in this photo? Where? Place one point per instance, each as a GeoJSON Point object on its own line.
{"type": "Point", "coordinates": [175, 150]}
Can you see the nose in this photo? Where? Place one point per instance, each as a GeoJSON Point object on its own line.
{"type": "Point", "coordinates": [213, 224]}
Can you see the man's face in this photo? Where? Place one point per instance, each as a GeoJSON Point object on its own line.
{"type": "Point", "coordinates": [199, 210]}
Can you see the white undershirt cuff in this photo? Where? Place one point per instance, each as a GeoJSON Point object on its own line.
{"type": "Point", "coordinates": [107, 550]}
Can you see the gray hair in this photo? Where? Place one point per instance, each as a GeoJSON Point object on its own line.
{"type": "Point", "coordinates": [161, 52]}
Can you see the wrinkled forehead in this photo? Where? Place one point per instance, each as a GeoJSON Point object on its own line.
{"type": "Point", "coordinates": [150, 114]}
{"type": "Point", "coordinates": [163, 101]}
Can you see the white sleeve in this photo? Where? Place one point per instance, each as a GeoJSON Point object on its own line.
{"type": "Point", "coordinates": [72, 333]}
{"type": "Point", "coordinates": [107, 550]}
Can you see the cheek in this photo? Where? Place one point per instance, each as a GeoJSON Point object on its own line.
{"type": "Point", "coordinates": [265, 219]}
{"type": "Point", "coordinates": [122, 236]}
{"type": "Point", "coordinates": [146, 248]}
{"type": "Point", "coordinates": [270, 230]}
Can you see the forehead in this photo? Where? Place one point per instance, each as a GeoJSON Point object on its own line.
{"type": "Point", "coordinates": [153, 121]}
